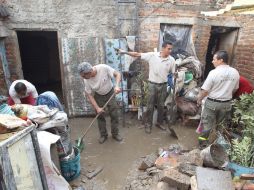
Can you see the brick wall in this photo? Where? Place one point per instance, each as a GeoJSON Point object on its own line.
{"type": "Point", "coordinates": [154, 12]}
{"type": "Point", "coordinates": [244, 54]}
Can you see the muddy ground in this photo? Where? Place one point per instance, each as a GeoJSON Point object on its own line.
{"type": "Point", "coordinates": [116, 158]}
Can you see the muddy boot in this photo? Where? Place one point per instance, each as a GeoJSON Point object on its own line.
{"type": "Point", "coordinates": [117, 137]}
{"type": "Point", "coordinates": [148, 129]}
{"type": "Point", "coordinates": [161, 127]}
{"type": "Point", "coordinates": [102, 139]}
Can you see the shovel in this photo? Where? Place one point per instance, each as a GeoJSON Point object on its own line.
{"type": "Point", "coordinates": [79, 143]}
{"type": "Point", "coordinates": [172, 112]}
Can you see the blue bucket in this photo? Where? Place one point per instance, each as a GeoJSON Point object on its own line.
{"type": "Point", "coordinates": [238, 169]}
{"type": "Point", "coordinates": [71, 168]}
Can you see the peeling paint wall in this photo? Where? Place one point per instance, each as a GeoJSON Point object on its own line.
{"type": "Point", "coordinates": [82, 27]}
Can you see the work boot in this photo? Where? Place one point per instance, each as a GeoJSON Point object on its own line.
{"type": "Point", "coordinates": [161, 127]}
{"type": "Point", "coordinates": [117, 137]}
{"type": "Point", "coordinates": [148, 130]}
{"type": "Point", "coordinates": [102, 139]}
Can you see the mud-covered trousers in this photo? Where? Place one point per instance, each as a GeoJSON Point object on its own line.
{"type": "Point", "coordinates": [213, 114]}
{"type": "Point", "coordinates": [157, 94]}
{"type": "Point", "coordinates": [113, 113]}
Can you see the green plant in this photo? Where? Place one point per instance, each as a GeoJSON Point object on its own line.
{"type": "Point", "coordinates": [243, 113]}
{"type": "Point", "coordinates": [242, 152]}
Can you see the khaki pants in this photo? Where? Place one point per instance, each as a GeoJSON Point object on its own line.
{"type": "Point", "coordinates": [213, 114]}
{"type": "Point", "coordinates": [157, 94]}
{"type": "Point", "coordinates": [113, 113]}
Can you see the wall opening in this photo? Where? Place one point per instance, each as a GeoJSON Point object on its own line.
{"type": "Point", "coordinates": [221, 38]}
{"type": "Point", "coordinates": [40, 60]}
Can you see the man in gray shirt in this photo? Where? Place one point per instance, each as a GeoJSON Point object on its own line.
{"type": "Point", "coordinates": [98, 89]}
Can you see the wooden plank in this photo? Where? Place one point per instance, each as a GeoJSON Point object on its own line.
{"type": "Point", "coordinates": [247, 176]}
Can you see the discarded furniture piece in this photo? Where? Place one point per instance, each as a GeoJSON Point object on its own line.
{"type": "Point", "coordinates": [20, 162]}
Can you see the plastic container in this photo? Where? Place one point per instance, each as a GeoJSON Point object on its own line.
{"type": "Point", "coordinates": [71, 168]}
{"type": "Point", "coordinates": [214, 156]}
{"type": "Point", "coordinates": [238, 169]}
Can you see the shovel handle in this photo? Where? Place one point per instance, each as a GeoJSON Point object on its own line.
{"type": "Point", "coordinates": [98, 114]}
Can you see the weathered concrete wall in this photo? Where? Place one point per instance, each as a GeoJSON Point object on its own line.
{"type": "Point", "coordinates": [71, 18]}
{"type": "Point", "coordinates": [92, 20]}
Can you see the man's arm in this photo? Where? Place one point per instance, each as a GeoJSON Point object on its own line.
{"type": "Point", "coordinates": [133, 54]}
{"type": "Point", "coordinates": [14, 95]}
{"type": "Point", "coordinates": [94, 103]}
{"type": "Point", "coordinates": [201, 95]}
{"type": "Point", "coordinates": [117, 76]}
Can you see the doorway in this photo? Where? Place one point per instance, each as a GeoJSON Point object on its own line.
{"type": "Point", "coordinates": [40, 60]}
{"type": "Point", "coordinates": [221, 38]}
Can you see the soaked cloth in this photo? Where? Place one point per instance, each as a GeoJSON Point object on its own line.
{"type": "Point", "coordinates": [193, 65]}
{"type": "Point", "coordinates": [50, 99]}
{"type": "Point", "coordinates": [6, 109]}
{"type": "Point", "coordinates": [245, 87]}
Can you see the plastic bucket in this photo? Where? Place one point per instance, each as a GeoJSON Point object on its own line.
{"type": "Point", "coordinates": [239, 170]}
{"type": "Point", "coordinates": [71, 168]}
{"type": "Point", "coordinates": [214, 156]}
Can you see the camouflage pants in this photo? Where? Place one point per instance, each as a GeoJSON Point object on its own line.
{"type": "Point", "coordinates": [113, 113]}
{"type": "Point", "coordinates": [213, 114]}
{"type": "Point", "coordinates": [157, 94]}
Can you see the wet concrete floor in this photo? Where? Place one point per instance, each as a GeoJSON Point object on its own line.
{"type": "Point", "coordinates": [117, 158]}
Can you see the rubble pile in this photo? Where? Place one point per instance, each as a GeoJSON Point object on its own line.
{"type": "Point", "coordinates": [173, 168]}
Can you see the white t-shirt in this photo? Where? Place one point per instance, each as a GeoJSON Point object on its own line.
{"type": "Point", "coordinates": [222, 82]}
{"type": "Point", "coordinates": [31, 90]}
{"type": "Point", "coordinates": [159, 67]}
{"type": "Point", "coordinates": [102, 82]}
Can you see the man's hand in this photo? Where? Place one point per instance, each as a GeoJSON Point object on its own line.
{"type": "Point", "coordinates": [100, 110]}
{"type": "Point", "coordinates": [120, 51]}
{"type": "Point", "coordinates": [117, 90]}
{"type": "Point", "coordinates": [199, 102]}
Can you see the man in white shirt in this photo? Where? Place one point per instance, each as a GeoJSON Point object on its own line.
{"type": "Point", "coordinates": [98, 89]}
{"type": "Point", "coordinates": [22, 92]}
{"type": "Point", "coordinates": [219, 87]}
{"type": "Point", "coordinates": [160, 65]}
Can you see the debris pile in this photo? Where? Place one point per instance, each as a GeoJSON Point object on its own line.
{"type": "Point", "coordinates": [173, 168]}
